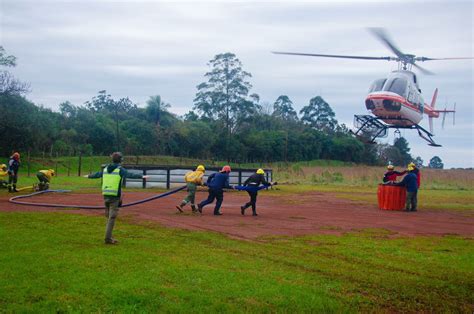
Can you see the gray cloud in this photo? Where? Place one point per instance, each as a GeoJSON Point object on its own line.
{"type": "Point", "coordinates": [68, 50]}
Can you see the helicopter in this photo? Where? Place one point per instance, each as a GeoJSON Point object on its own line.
{"type": "Point", "coordinates": [396, 101]}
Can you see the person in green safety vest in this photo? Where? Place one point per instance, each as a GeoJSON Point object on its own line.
{"type": "Point", "coordinates": [112, 176]}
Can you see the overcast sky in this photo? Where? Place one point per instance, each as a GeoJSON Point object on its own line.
{"type": "Point", "coordinates": [69, 50]}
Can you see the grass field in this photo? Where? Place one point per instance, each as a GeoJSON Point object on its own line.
{"type": "Point", "coordinates": [55, 262]}
{"type": "Point", "coordinates": [52, 262]}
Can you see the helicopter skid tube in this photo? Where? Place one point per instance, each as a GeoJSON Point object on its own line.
{"type": "Point", "coordinates": [15, 200]}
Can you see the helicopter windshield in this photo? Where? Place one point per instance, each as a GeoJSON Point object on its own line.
{"type": "Point", "coordinates": [377, 85]}
{"type": "Point", "coordinates": [397, 85]}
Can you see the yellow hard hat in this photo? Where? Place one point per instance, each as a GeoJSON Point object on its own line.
{"type": "Point", "coordinates": [390, 167]}
{"type": "Point", "coordinates": [3, 166]}
{"type": "Point", "coordinates": [200, 168]}
{"type": "Point", "coordinates": [260, 171]}
{"type": "Point", "coordinates": [412, 165]}
{"type": "Point", "coordinates": [410, 168]}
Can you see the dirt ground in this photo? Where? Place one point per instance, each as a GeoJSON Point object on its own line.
{"type": "Point", "coordinates": [308, 213]}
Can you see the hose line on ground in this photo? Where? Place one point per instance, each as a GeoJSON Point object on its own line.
{"type": "Point", "coordinates": [15, 199]}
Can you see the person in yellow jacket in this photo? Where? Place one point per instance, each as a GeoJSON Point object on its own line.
{"type": "Point", "coordinates": [3, 173]}
{"type": "Point", "coordinates": [193, 179]}
{"type": "Point", "coordinates": [44, 177]}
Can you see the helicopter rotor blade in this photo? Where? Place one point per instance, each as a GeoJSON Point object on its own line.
{"type": "Point", "coordinates": [422, 59]}
{"type": "Point", "coordinates": [383, 37]}
{"type": "Point", "coordinates": [423, 70]}
{"type": "Point", "coordinates": [334, 56]}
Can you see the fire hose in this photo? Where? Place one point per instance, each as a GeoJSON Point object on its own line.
{"type": "Point", "coordinates": [15, 199]}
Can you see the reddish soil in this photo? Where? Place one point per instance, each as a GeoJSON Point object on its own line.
{"type": "Point", "coordinates": [308, 213]}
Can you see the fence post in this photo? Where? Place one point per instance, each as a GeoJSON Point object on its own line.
{"type": "Point", "coordinates": [29, 163]}
{"type": "Point", "coordinates": [144, 180]}
{"type": "Point", "coordinates": [240, 176]}
{"type": "Point", "coordinates": [80, 165]}
{"type": "Point", "coordinates": [168, 177]}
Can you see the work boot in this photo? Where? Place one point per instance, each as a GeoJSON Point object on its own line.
{"type": "Point", "coordinates": [193, 207]}
{"type": "Point", "coordinates": [180, 208]}
{"type": "Point", "coordinates": [242, 210]}
{"type": "Point", "coordinates": [217, 214]}
{"type": "Point", "coordinates": [200, 209]}
{"type": "Point", "coordinates": [14, 189]}
{"type": "Point", "coordinates": [10, 189]}
{"type": "Point", "coordinates": [254, 214]}
{"type": "Point", "coordinates": [110, 241]}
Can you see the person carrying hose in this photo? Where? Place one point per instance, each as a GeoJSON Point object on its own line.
{"type": "Point", "coordinates": [193, 179]}
{"type": "Point", "coordinates": [44, 177]}
{"type": "Point", "coordinates": [112, 176]}
{"type": "Point", "coordinates": [216, 183]}
{"type": "Point", "coordinates": [3, 174]}
{"type": "Point", "coordinates": [252, 185]}
{"type": "Point", "coordinates": [13, 167]}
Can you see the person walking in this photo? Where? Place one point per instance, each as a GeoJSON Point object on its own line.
{"type": "Point", "coordinates": [216, 183]}
{"type": "Point", "coordinates": [411, 184]}
{"type": "Point", "coordinates": [253, 183]}
{"type": "Point", "coordinates": [192, 179]}
{"type": "Point", "coordinates": [44, 177]}
{"type": "Point", "coordinates": [391, 175]}
{"type": "Point", "coordinates": [13, 167]}
{"type": "Point", "coordinates": [112, 176]}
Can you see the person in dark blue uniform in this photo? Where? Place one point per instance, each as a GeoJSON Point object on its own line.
{"type": "Point", "coordinates": [13, 167]}
{"type": "Point", "coordinates": [216, 182]}
{"type": "Point", "coordinates": [410, 181]}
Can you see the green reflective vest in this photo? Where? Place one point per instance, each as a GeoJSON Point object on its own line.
{"type": "Point", "coordinates": [111, 182]}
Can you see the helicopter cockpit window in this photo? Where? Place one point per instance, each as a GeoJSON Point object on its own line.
{"type": "Point", "coordinates": [397, 86]}
{"type": "Point", "coordinates": [377, 85]}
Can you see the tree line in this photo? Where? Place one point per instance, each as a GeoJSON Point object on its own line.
{"type": "Point", "coordinates": [227, 122]}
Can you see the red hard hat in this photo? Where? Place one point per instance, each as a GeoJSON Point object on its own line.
{"type": "Point", "coordinates": [226, 169]}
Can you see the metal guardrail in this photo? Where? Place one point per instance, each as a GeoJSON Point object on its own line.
{"type": "Point", "coordinates": [170, 176]}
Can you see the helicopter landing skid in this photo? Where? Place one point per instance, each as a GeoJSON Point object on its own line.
{"type": "Point", "coordinates": [369, 128]}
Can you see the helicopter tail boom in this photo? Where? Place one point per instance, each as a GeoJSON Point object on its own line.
{"type": "Point", "coordinates": [430, 109]}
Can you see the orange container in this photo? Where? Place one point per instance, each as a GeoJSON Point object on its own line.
{"type": "Point", "coordinates": [391, 197]}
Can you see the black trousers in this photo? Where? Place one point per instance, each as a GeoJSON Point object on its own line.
{"type": "Point", "coordinates": [214, 195]}
{"type": "Point", "coordinates": [253, 201]}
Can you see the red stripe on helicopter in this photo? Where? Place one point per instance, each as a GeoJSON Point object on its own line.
{"type": "Point", "coordinates": [399, 99]}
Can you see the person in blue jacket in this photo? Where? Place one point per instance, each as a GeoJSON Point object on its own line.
{"type": "Point", "coordinates": [410, 182]}
{"type": "Point", "coordinates": [13, 167]}
{"type": "Point", "coordinates": [216, 182]}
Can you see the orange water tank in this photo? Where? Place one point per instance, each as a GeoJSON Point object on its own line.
{"type": "Point", "coordinates": [391, 197]}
